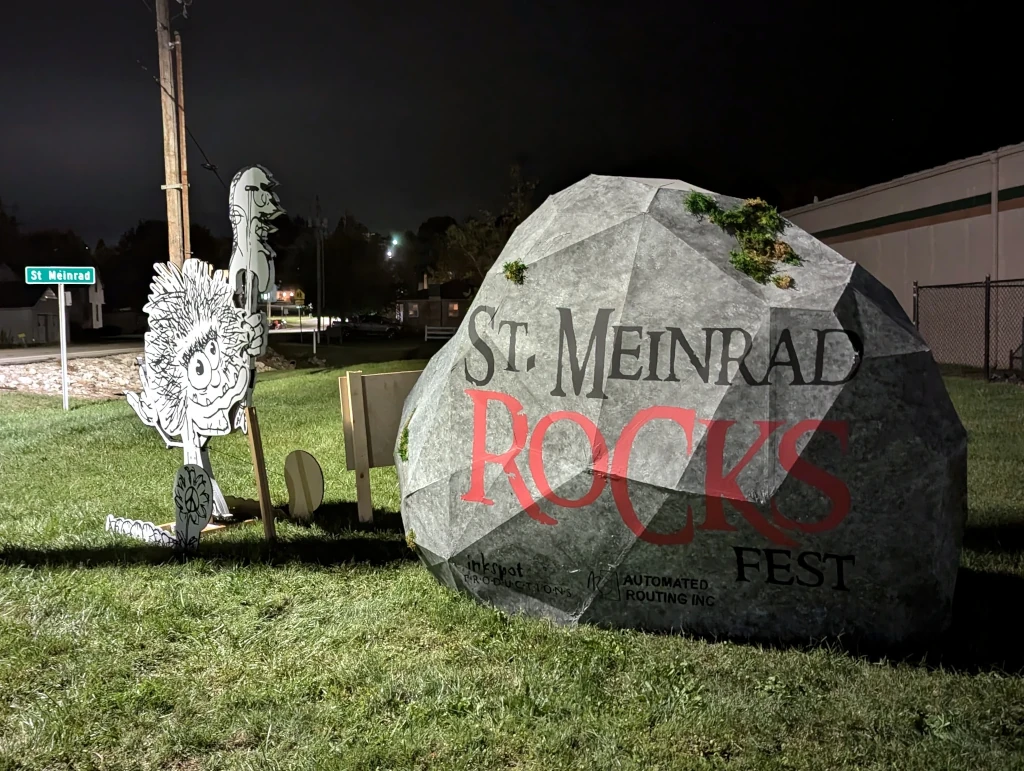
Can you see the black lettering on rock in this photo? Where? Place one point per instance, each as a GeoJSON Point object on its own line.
{"type": "Point", "coordinates": [840, 585]}
{"type": "Point", "coordinates": [652, 362]}
{"type": "Point", "coordinates": [481, 346]}
{"type": "Point", "coordinates": [618, 352]}
{"type": "Point", "coordinates": [785, 339]}
{"type": "Point", "coordinates": [741, 566]}
{"type": "Point", "coordinates": [728, 358]}
{"type": "Point", "coordinates": [771, 554]}
{"type": "Point", "coordinates": [819, 356]}
{"type": "Point", "coordinates": [513, 328]}
{"type": "Point", "coordinates": [819, 576]}
{"type": "Point", "coordinates": [676, 337]}
{"type": "Point", "coordinates": [567, 339]}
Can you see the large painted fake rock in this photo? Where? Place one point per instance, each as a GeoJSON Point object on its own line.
{"type": "Point", "coordinates": [640, 435]}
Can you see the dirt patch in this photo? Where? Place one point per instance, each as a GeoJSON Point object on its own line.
{"type": "Point", "coordinates": [103, 377]}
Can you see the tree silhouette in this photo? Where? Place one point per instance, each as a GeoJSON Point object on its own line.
{"type": "Point", "coordinates": [474, 246]}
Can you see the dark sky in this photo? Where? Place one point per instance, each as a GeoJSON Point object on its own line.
{"type": "Point", "coordinates": [402, 110]}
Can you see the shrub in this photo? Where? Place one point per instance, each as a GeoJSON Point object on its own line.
{"type": "Point", "coordinates": [757, 227]}
{"type": "Point", "coordinates": [515, 271]}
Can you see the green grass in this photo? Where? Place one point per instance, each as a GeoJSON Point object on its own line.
{"type": "Point", "coordinates": [340, 651]}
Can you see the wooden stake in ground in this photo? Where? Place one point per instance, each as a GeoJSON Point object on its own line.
{"type": "Point", "coordinates": [172, 181]}
{"type": "Point", "coordinates": [260, 467]}
{"type": "Point", "coordinates": [182, 152]}
{"type": "Point", "coordinates": [360, 444]}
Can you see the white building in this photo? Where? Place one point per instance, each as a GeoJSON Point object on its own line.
{"type": "Point", "coordinates": [953, 224]}
{"type": "Point", "coordinates": [29, 312]}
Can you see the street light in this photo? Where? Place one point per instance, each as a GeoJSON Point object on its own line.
{"type": "Point", "coordinates": [389, 253]}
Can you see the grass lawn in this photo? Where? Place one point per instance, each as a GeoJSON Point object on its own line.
{"type": "Point", "coordinates": [340, 651]}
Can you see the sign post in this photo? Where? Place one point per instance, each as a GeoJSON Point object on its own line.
{"type": "Point", "coordinates": [61, 276]}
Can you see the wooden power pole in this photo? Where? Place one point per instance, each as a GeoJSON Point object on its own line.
{"type": "Point", "coordinates": [182, 152]}
{"type": "Point", "coordinates": [172, 180]}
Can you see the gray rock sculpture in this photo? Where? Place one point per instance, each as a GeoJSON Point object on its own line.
{"type": "Point", "coordinates": [641, 435]}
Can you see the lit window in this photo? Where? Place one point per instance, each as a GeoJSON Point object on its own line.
{"type": "Point", "coordinates": [414, 310]}
{"type": "Point", "coordinates": [453, 310]}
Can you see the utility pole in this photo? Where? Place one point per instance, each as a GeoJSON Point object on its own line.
{"type": "Point", "coordinates": [319, 293]}
{"type": "Point", "coordinates": [172, 179]}
{"type": "Point", "coordinates": [186, 235]}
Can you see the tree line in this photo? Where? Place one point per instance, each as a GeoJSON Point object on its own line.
{"type": "Point", "coordinates": [358, 277]}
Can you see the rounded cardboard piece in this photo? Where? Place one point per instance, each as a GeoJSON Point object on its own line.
{"type": "Point", "coordinates": [305, 481]}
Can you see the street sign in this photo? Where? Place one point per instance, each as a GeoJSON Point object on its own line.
{"type": "Point", "coordinates": [58, 275]}
{"type": "Point", "coordinates": [61, 276]}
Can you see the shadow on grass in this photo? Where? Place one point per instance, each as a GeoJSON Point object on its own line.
{"type": "Point", "coordinates": [997, 538]}
{"type": "Point", "coordinates": [980, 639]}
{"type": "Point", "coordinates": [343, 516]}
{"type": "Point", "coordinates": [335, 537]}
{"type": "Point", "coordinates": [981, 636]}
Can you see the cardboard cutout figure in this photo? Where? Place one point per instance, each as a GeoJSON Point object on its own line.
{"type": "Point", "coordinates": [199, 370]}
{"type": "Point", "coordinates": [193, 503]}
{"type": "Point", "coordinates": [198, 351]}
{"type": "Point", "coordinates": [253, 207]}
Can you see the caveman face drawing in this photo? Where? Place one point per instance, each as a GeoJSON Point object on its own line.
{"type": "Point", "coordinates": [198, 350]}
{"type": "Point", "coordinates": [253, 206]}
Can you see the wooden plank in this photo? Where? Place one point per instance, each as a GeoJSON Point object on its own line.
{"type": "Point", "coordinates": [384, 397]}
{"type": "Point", "coordinates": [346, 423]}
{"type": "Point", "coordinates": [361, 458]}
{"type": "Point", "coordinates": [260, 466]}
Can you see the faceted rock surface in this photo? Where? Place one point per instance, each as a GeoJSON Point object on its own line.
{"type": "Point", "coordinates": [640, 435]}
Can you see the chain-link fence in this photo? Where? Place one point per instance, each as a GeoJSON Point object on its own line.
{"type": "Point", "coordinates": [977, 324]}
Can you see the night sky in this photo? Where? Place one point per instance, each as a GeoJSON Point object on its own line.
{"type": "Point", "coordinates": [399, 111]}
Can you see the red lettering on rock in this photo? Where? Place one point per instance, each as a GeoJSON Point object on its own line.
{"type": "Point", "coordinates": [834, 489]}
{"type": "Point", "coordinates": [720, 487]}
{"type": "Point", "coordinates": [599, 456]}
{"type": "Point", "coordinates": [507, 459]}
{"type": "Point", "coordinates": [620, 471]}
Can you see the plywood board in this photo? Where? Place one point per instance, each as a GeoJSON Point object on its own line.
{"type": "Point", "coordinates": [384, 396]}
{"type": "Point", "coordinates": [305, 482]}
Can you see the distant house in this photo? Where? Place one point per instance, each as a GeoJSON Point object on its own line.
{"type": "Point", "coordinates": [86, 309]}
{"type": "Point", "coordinates": [31, 309]}
{"type": "Point", "coordinates": [436, 305]}
{"type": "Point", "coordinates": [28, 313]}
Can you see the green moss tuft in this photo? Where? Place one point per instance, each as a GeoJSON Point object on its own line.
{"type": "Point", "coordinates": [515, 271]}
{"type": "Point", "coordinates": [757, 227]}
{"type": "Point", "coordinates": [782, 281]}
{"type": "Point", "coordinates": [403, 441]}
{"type": "Point", "coordinates": [410, 539]}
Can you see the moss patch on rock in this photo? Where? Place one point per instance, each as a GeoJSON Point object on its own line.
{"type": "Point", "coordinates": [515, 271]}
{"type": "Point", "coordinates": [757, 227]}
{"type": "Point", "coordinates": [403, 440]}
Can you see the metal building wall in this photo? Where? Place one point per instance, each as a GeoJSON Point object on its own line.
{"type": "Point", "coordinates": [937, 227]}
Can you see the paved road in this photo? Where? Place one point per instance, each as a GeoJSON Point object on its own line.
{"type": "Point", "coordinates": [35, 355]}
{"type": "Point", "coordinates": [49, 353]}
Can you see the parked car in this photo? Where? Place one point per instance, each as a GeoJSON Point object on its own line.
{"type": "Point", "coordinates": [367, 325]}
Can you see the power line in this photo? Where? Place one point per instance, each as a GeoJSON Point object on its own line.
{"type": "Point", "coordinates": [208, 165]}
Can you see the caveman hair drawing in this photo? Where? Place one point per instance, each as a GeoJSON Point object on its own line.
{"type": "Point", "coordinates": [198, 351]}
